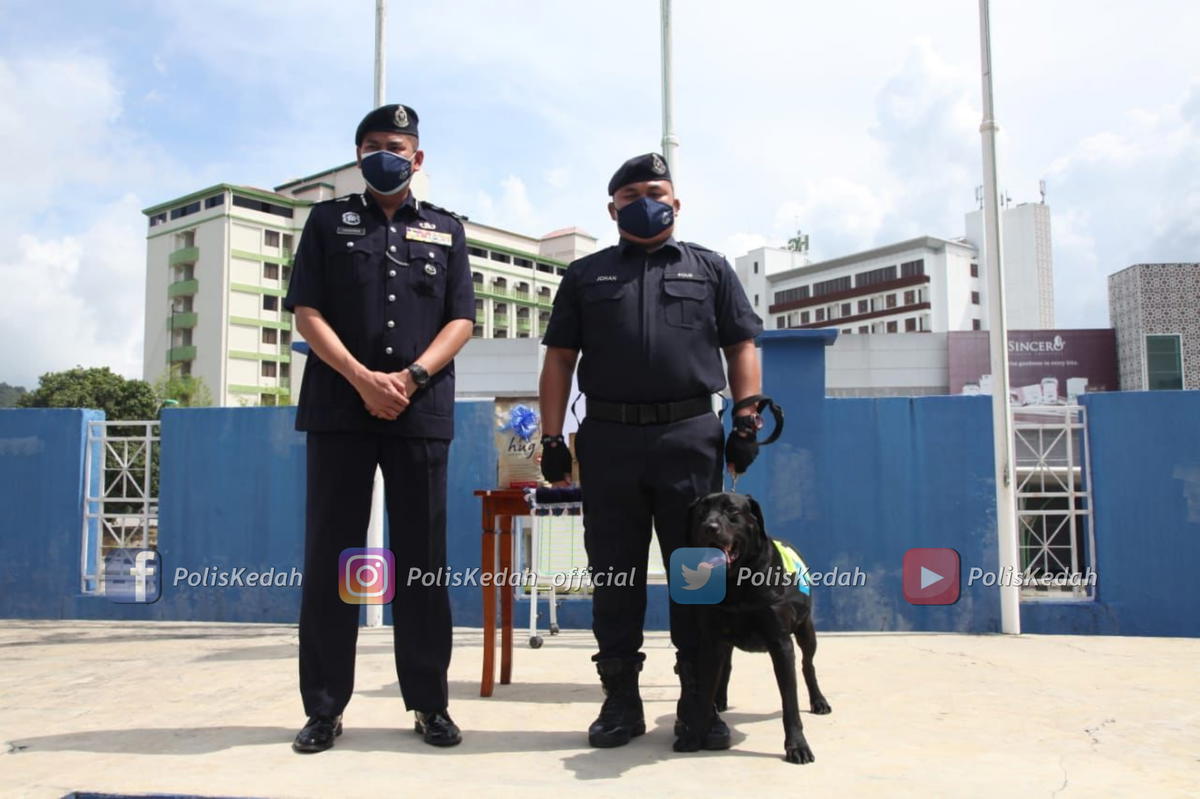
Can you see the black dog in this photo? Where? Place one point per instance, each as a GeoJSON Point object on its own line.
{"type": "Point", "coordinates": [763, 608]}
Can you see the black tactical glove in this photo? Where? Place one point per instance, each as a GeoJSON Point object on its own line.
{"type": "Point", "coordinates": [741, 448]}
{"type": "Point", "coordinates": [556, 459]}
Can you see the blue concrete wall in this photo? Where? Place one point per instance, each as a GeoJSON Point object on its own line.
{"type": "Point", "coordinates": [853, 483]}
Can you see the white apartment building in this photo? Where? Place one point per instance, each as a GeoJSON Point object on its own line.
{"type": "Point", "coordinates": [218, 263]}
{"type": "Point", "coordinates": [925, 284]}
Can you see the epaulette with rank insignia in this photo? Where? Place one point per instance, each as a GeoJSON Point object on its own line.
{"type": "Point", "coordinates": [702, 248]}
{"type": "Point", "coordinates": [448, 212]}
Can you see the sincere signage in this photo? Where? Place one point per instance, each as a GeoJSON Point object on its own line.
{"type": "Point", "coordinates": [1045, 367]}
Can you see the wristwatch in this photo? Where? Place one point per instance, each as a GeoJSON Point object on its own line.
{"type": "Point", "coordinates": [419, 375]}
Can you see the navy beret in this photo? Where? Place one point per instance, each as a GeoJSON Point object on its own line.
{"type": "Point", "coordinates": [390, 118]}
{"type": "Point", "coordinates": [650, 166]}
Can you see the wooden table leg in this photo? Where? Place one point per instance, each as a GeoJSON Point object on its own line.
{"type": "Point", "coordinates": [488, 563]}
{"type": "Point", "coordinates": [506, 600]}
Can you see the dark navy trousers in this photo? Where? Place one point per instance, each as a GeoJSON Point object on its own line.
{"type": "Point", "coordinates": [341, 472]}
{"type": "Point", "coordinates": [633, 476]}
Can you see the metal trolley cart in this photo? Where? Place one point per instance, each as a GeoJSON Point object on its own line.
{"type": "Point", "coordinates": [555, 556]}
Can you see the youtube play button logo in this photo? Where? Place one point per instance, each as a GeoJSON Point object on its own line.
{"type": "Point", "coordinates": [930, 576]}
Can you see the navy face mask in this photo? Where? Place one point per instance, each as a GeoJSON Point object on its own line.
{"type": "Point", "coordinates": [387, 172]}
{"type": "Point", "coordinates": [645, 218]}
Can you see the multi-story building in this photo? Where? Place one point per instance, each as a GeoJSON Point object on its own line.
{"type": "Point", "coordinates": [1155, 309]}
{"type": "Point", "coordinates": [926, 284]}
{"type": "Point", "coordinates": [218, 263]}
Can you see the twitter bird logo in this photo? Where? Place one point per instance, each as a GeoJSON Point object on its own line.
{"type": "Point", "coordinates": [697, 575]}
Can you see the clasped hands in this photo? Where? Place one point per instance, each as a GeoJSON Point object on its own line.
{"type": "Point", "coordinates": [386, 395]}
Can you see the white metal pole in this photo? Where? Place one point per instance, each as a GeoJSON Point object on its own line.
{"type": "Point", "coordinates": [670, 144]}
{"type": "Point", "coordinates": [375, 527]}
{"type": "Point", "coordinates": [380, 56]}
{"type": "Point", "coordinates": [1002, 442]}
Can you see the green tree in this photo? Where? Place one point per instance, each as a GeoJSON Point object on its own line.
{"type": "Point", "coordinates": [10, 396]}
{"type": "Point", "coordinates": [185, 391]}
{"type": "Point", "coordinates": [98, 387]}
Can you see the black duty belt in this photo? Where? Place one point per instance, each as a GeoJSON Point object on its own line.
{"type": "Point", "coordinates": [649, 412]}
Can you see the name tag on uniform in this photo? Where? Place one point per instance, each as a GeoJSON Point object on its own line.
{"type": "Point", "coordinates": [352, 231]}
{"type": "Point", "coordinates": [427, 236]}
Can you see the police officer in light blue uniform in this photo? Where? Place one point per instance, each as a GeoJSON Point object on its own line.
{"type": "Point", "coordinates": [648, 320]}
{"type": "Point", "coordinates": [382, 292]}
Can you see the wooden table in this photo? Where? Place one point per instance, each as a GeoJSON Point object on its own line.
{"type": "Point", "coordinates": [500, 505]}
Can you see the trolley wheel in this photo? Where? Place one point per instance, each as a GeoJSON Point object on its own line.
{"type": "Point", "coordinates": [554, 629]}
{"type": "Point", "coordinates": [535, 642]}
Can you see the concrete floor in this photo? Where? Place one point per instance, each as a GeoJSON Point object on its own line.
{"type": "Point", "coordinates": [211, 709]}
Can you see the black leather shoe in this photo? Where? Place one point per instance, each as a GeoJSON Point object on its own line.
{"type": "Point", "coordinates": [438, 729]}
{"type": "Point", "coordinates": [718, 736]}
{"type": "Point", "coordinates": [318, 734]}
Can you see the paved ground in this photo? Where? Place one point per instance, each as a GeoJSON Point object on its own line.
{"type": "Point", "coordinates": [211, 708]}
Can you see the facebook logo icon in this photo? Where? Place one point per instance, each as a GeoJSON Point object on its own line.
{"type": "Point", "coordinates": [132, 575]}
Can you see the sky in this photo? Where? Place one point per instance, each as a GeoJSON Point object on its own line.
{"type": "Point", "coordinates": [855, 121]}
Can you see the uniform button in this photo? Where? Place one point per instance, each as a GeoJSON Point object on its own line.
{"type": "Point", "coordinates": [391, 273]}
{"type": "Point", "coordinates": [388, 350]}
{"type": "Point", "coordinates": [391, 323]}
{"type": "Point", "coordinates": [349, 244]}
{"type": "Point", "coordinates": [431, 254]}
{"type": "Point", "coordinates": [392, 229]}
{"type": "Point", "coordinates": [391, 298]}
{"type": "Point", "coordinates": [392, 248]}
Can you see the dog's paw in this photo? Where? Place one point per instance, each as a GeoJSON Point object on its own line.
{"type": "Point", "coordinates": [799, 754]}
{"type": "Point", "coordinates": [820, 707]}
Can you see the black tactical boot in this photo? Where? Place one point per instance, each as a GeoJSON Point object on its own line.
{"type": "Point", "coordinates": [718, 735]}
{"type": "Point", "coordinates": [621, 715]}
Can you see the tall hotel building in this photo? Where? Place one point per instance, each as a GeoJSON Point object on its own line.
{"type": "Point", "coordinates": [218, 263]}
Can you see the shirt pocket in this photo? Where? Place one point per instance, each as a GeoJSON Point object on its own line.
{"type": "Point", "coordinates": [353, 267]}
{"type": "Point", "coordinates": [427, 271]}
{"type": "Point", "coordinates": [685, 301]}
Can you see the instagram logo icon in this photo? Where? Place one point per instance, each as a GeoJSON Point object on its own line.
{"type": "Point", "coordinates": [365, 576]}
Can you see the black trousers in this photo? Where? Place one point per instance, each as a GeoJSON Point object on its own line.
{"type": "Point", "coordinates": [632, 476]}
{"type": "Point", "coordinates": [341, 472]}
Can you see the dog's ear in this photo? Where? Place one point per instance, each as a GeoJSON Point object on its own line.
{"type": "Point", "coordinates": [758, 515]}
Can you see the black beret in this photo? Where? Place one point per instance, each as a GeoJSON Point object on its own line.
{"type": "Point", "coordinates": [650, 166]}
{"type": "Point", "coordinates": [389, 118]}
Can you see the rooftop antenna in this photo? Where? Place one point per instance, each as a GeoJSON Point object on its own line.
{"type": "Point", "coordinates": [1042, 190]}
{"type": "Point", "coordinates": [979, 196]}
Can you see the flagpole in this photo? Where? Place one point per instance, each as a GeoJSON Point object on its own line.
{"type": "Point", "coordinates": [1002, 442]}
{"type": "Point", "coordinates": [670, 143]}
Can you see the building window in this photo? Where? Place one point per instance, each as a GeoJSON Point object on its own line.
{"type": "Point", "coordinates": [270, 238]}
{"type": "Point", "coordinates": [525, 262]}
{"type": "Point", "coordinates": [545, 268]}
{"type": "Point", "coordinates": [823, 287]}
{"type": "Point", "coordinates": [755, 300]}
{"type": "Point", "coordinates": [259, 205]}
{"type": "Point", "coordinates": [804, 317]}
{"type": "Point", "coordinates": [499, 283]}
{"type": "Point", "coordinates": [820, 314]}
{"type": "Point", "coordinates": [847, 331]}
{"type": "Point", "coordinates": [1164, 363]}
{"type": "Point", "coordinates": [478, 305]}
{"type": "Point", "coordinates": [780, 322]}
{"type": "Point", "coordinates": [560, 270]}
{"type": "Point", "coordinates": [974, 297]}
{"type": "Point", "coordinates": [500, 332]}
{"type": "Point", "coordinates": [864, 306]}
{"type": "Point", "coordinates": [522, 289]}
{"type": "Point", "coordinates": [268, 368]}
{"type": "Point", "coordinates": [285, 273]}
{"type": "Point", "coordinates": [158, 219]}
{"type": "Point", "coordinates": [756, 271]}
{"type": "Point", "coordinates": [791, 295]}
{"type": "Point", "coordinates": [477, 331]}
{"type": "Point", "coordinates": [975, 325]}
{"type": "Point", "coordinates": [864, 329]}
{"type": "Point", "coordinates": [974, 270]}
{"type": "Point", "coordinates": [285, 338]}
{"type": "Point", "coordinates": [891, 327]}
{"type": "Point", "coordinates": [500, 309]}
{"type": "Point", "coordinates": [185, 368]}
{"type": "Point", "coordinates": [912, 268]}
{"type": "Point", "coordinates": [266, 399]}
{"type": "Point", "coordinates": [185, 239]}
{"type": "Point", "coordinates": [891, 300]}
{"type": "Point", "coordinates": [544, 292]}
{"type": "Point", "coordinates": [270, 302]}
{"type": "Point", "coordinates": [186, 210]}
{"type": "Point", "coordinates": [910, 297]}
{"type": "Point", "coordinates": [215, 200]}
{"type": "Point", "coordinates": [910, 325]}
{"type": "Point", "coordinates": [285, 370]}
{"type": "Point", "coordinates": [477, 252]}
{"type": "Point", "coordinates": [875, 276]}
{"type": "Point", "coordinates": [501, 257]}
{"type": "Point", "coordinates": [477, 278]}
{"type": "Point", "coordinates": [845, 309]}
{"type": "Point", "coordinates": [182, 304]}
{"type": "Point", "coordinates": [270, 335]}
{"type": "Point", "coordinates": [287, 241]}
{"type": "Point", "coordinates": [271, 271]}
{"type": "Point", "coordinates": [543, 317]}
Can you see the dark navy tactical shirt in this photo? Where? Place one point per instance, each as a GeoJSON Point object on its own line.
{"type": "Point", "coordinates": [650, 325]}
{"type": "Point", "coordinates": [387, 289]}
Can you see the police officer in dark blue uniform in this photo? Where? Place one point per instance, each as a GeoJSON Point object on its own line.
{"type": "Point", "coordinates": [382, 292]}
{"type": "Point", "coordinates": [648, 320]}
